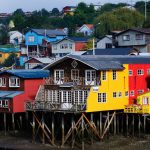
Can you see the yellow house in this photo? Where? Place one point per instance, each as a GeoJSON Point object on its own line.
{"type": "Point", "coordinates": [5, 52]}
{"type": "Point", "coordinates": [112, 94]}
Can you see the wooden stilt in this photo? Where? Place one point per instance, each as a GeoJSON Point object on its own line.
{"type": "Point", "coordinates": [53, 133]}
{"type": "Point", "coordinates": [33, 129]}
{"type": "Point", "coordinates": [92, 132]}
{"type": "Point", "coordinates": [5, 123]}
{"type": "Point", "coordinates": [13, 122]}
{"type": "Point", "coordinates": [122, 126]}
{"type": "Point", "coordinates": [139, 125]}
{"type": "Point", "coordinates": [26, 119]}
{"type": "Point", "coordinates": [20, 118]}
{"type": "Point", "coordinates": [97, 122]}
{"type": "Point", "coordinates": [118, 125]}
{"type": "Point", "coordinates": [62, 128]}
{"type": "Point", "coordinates": [115, 124]}
{"type": "Point", "coordinates": [72, 125]}
{"type": "Point", "coordinates": [127, 122]}
{"type": "Point", "coordinates": [133, 125]}
{"type": "Point", "coordinates": [43, 135]}
{"type": "Point", "coordinates": [108, 122]}
{"type": "Point", "coordinates": [144, 128]}
{"type": "Point", "coordinates": [100, 123]}
{"type": "Point", "coordinates": [82, 133]}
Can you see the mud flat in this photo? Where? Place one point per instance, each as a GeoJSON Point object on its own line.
{"type": "Point", "coordinates": [11, 142]}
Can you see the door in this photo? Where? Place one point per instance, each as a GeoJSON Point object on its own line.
{"type": "Point", "coordinates": [90, 77]}
{"type": "Point", "coordinates": [59, 76]}
{"type": "Point", "coordinates": [145, 100]}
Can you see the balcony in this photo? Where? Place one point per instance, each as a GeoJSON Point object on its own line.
{"type": "Point", "coordinates": [66, 81]}
{"type": "Point", "coordinates": [138, 109]}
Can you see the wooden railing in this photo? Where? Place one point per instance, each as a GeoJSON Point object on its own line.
{"type": "Point", "coordinates": [49, 106]}
{"type": "Point", "coordinates": [66, 80]}
{"type": "Point", "coordinates": [139, 109]}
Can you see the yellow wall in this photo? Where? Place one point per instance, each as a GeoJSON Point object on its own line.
{"type": "Point", "coordinates": [109, 86]}
{"type": "Point", "coordinates": [5, 56]}
{"type": "Point", "coordinates": [142, 96]}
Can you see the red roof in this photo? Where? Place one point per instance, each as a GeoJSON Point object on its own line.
{"type": "Point", "coordinates": [90, 26]}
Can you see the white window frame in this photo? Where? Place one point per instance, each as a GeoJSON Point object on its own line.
{"type": "Point", "coordinates": [16, 82]}
{"type": "Point", "coordinates": [104, 75]}
{"type": "Point", "coordinates": [126, 37]}
{"type": "Point", "coordinates": [90, 77]}
{"type": "Point", "coordinates": [139, 36]}
{"type": "Point", "coordinates": [132, 93]}
{"type": "Point", "coordinates": [148, 71]}
{"type": "Point", "coordinates": [6, 103]}
{"type": "Point", "coordinates": [60, 75]}
{"type": "Point", "coordinates": [126, 93]}
{"type": "Point", "coordinates": [1, 103]}
{"type": "Point", "coordinates": [102, 97]}
{"type": "Point", "coordinates": [31, 38]}
{"type": "Point", "coordinates": [140, 91]}
{"type": "Point", "coordinates": [3, 82]}
{"type": "Point", "coordinates": [114, 75]}
{"type": "Point", "coordinates": [119, 94]}
{"type": "Point", "coordinates": [114, 94]}
{"type": "Point", "coordinates": [75, 74]}
{"type": "Point", "coordinates": [140, 72]}
{"type": "Point", "coordinates": [130, 72]}
{"type": "Point", "coordinates": [145, 100]}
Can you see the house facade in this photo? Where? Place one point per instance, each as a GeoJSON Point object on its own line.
{"type": "Point", "coordinates": [137, 38]}
{"type": "Point", "coordinates": [105, 42]}
{"type": "Point", "coordinates": [15, 37]}
{"type": "Point", "coordinates": [18, 86]}
{"type": "Point", "coordinates": [34, 40]}
{"type": "Point", "coordinates": [68, 45]}
{"type": "Point", "coordinates": [69, 10]}
{"type": "Point", "coordinates": [86, 29]}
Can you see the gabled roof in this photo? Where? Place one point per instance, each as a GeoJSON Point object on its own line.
{"type": "Point", "coordinates": [43, 60]}
{"type": "Point", "coordinates": [28, 74]}
{"type": "Point", "coordinates": [90, 26]}
{"type": "Point", "coordinates": [73, 39]}
{"type": "Point", "coordinates": [105, 36]}
{"type": "Point", "coordinates": [141, 30]}
{"type": "Point", "coordinates": [111, 51]}
{"type": "Point", "coordinates": [49, 32]}
{"type": "Point", "coordinates": [107, 62]}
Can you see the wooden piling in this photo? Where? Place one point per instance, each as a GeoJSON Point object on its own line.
{"type": "Point", "coordinates": [72, 125]}
{"type": "Point", "coordinates": [13, 122]}
{"type": "Point", "coordinates": [43, 135]}
{"type": "Point", "coordinates": [5, 123]}
{"type": "Point", "coordinates": [115, 124]}
{"type": "Point", "coordinates": [62, 128]}
{"type": "Point", "coordinates": [53, 132]}
{"type": "Point", "coordinates": [139, 125]}
{"type": "Point", "coordinates": [82, 124]}
{"type": "Point", "coordinates": [133, 125]}
{"type": "Point", "coordinates": [144, 124]}
{"type": "Point", "coordinates": [100, 124]}
{"type": "Point", "coordinates": [33, 129]}
{"type": "Point", "coordinates": [127, 124]}
{"type": "Point", "coordinates": [92, 132]}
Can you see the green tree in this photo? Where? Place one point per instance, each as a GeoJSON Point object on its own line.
{"type": "Point", "coordinates": [3, 34]}
{"type": "Point", "coordinates": [11, 60]}
{"type": "Point", "coordinates": [55, 12]}
{"type": "Point", "coordinates": [119, 19]}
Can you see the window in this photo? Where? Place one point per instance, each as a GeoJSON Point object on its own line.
{"type": "Point", "coordinates": [139, 36]}
{"type": "Point", "coordinates": [114, 94]}
{"type": "Point", "coordinates": [2, 82]}
{"type": "Point", "coordinates": [59, 76]}
{"type": "Point", "coordinates": [114, 75]}
{"type": "Point", "coordinates": [0, 103]}
{"type": "Point", "coordinates": [75, 74]}
{"type": "Point", "coordinates": [90, 77]}
{"type": "Point", "coordinates": [132, 93]}
{"type": "Point", "coordinates": [130, 72]}
{"type": "Point", "coordinates": [108, 45]}
{"type": "Point", "coordinates": [103, 75]}
{"type": "Point", "coordinates": [0, 55]}
{"type": "Point", "coordinates": [140, 72]}
{"type": "Point", "coordinates": [119, 94]}
{"type": "Point", "coordinates": [148, 71]}
{"type": "Point", "coordinates": [126, 37]}
{"type": "Point", "coordinates": [6, 103]}
{"type": "Point", "coordinates": [140, 91]}
{"type": "Point", "coordinates": [64, 46]}
{"type": "Point", "coordinates": [126, 93]}
{"type": "Point", "coordinates": [55, 47]}
{"type": "Point", "coordinates": [102, 97]}
{"type": "Point", "coordinates": [145, 100]}
{"type": "Point", "coordinates": [14, 82]}
{"type": "Point", "coordinates": [70, 46]}
{"type": "Point", "coordinates": [31, 39]}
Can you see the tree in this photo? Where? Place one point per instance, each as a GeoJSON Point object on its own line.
{"type": "Point", "coordinates": [119, 19]}
{"type": "Point", "coordinates": [11, 60]}
{"type": "Point", "coordinates": [55, 12]}
{"type": "Point", "coordinates": [3, 34]}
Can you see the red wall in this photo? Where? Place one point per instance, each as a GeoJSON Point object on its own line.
{"type": "Point", "coordinates": [137, 82]}
{"type": "Point", "coordinates": [31, 88]}
{"type": "Point", "coordinates": [79, 46]}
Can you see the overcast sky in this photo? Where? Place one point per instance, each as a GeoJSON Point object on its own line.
{"type": "Point", "coordinates": [30, 5]}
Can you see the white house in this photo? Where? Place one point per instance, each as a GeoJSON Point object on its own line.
{"type": "Point", "coordinates": [86, 29]}
{"type": "Point", "coordinates": [105, 42]}
{"type": "Point", "coordinates": [15, 37]}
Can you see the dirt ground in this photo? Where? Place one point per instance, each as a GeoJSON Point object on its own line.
{"type": "Point", "coordinates": [113, 143]}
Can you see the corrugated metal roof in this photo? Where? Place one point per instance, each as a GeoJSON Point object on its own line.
{"type": "Point", "coordinates": [9, 94]}
{"type": "Point", "coordinates": [110, 51]}
{"type": "Point", "coordinates": [49, 32]}
{"type": "Point", "coordinates": [105, 62]}
{"type": "Point", "coordinates": [28, 74]}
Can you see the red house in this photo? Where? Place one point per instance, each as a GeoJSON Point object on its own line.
{"type": "Point", "coordinates": [139, 80]}
{"type": "Point", "coordinates": [18, 86]}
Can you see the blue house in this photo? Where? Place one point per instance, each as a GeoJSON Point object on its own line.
{"type": "Point", "coordinates": [36, 39]}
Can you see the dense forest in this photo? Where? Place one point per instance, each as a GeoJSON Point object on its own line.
{"type": "Point", "coordinates": [106, 18]}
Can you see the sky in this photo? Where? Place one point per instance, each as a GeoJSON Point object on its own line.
{"type": "Point", "coordinates": [30, 5]}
